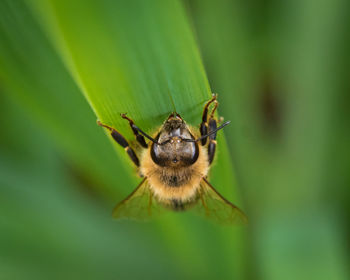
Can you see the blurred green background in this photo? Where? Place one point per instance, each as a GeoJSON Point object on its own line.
{"type": "Point", "coordinates": [281, 71]}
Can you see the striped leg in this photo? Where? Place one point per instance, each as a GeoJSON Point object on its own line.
{"type": "Point", "coordinates": [204, 124]}
{"type": "Point", "coordinates": [122, 142]}
{"type": "Point", "coordinates": [212, 125]}
{"type": "Point", "coordinates": [212, 141]}
{"type": "Point", "coordinates": [138, 136]}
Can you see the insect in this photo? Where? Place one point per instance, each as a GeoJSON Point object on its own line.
{"type": "Point", "coordinates": [174, 165]}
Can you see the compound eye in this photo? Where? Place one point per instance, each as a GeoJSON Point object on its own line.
{"type": "Point", "coordinates": [194, 155]}
{"type": "Point", "coordinates": [155, 155]}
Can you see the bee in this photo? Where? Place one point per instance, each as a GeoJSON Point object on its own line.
{"type": "Point", "coordinates": [174, 165]}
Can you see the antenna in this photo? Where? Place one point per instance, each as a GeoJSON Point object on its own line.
{"type": "Point", "coordinates": [208, 134]}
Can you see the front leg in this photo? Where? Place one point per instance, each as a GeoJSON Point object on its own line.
{"type": "Point", "coordinates": [138, 136]}
{"type": "Point", "coordinates": [122, 142]}
{"type": "Point", "coordinates": [212, 140]}
{"type": "Point", "coordinates": [204, 124]}
{"type": "Point", "coordinates": [212, 125]}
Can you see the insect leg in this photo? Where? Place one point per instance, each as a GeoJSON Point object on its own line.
{"type": "Point", "coordinates": [212, 138]}
{"type": "Point", "coordinates": [138, 136]}
{"type": "Point", "coordinates": [204, 123]}
{"type": "Point", "coordinates": [122, 142]}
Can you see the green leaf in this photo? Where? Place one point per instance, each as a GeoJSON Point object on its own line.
{"type": "Point", "coordinates": [141, 60]}
{"type": "Point", "coordinates": [135, 58]}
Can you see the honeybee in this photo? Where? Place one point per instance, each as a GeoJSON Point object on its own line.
{"type": "Point", "coordinates": [174, 165]}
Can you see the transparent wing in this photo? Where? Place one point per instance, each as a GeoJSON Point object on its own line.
{"type": "Point", "coordinates": [139, 205]}
{"type": "Point", "coordinates": [215, 207]}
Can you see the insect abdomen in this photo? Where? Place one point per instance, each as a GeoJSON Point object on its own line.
{"type": "Point", "coordinates": [177, 205]}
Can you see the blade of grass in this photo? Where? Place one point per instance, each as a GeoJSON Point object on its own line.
{"type": "Point", "coordinates": [124, 71]}
{"type": "Point", "coordinates": [34, 78]}
{"type": "Point", "coordinates": [135, 53]}
{"type": "Point", "coordinates": [138, 58]}
{"type": "Point", "coordinates": [118, 72]}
